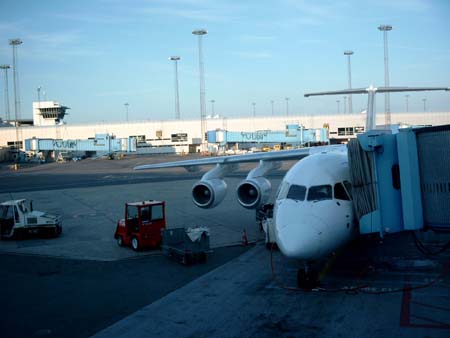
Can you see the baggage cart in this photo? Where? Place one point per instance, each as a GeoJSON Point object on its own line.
{"type": "Point", "coordinates": [186, 246]}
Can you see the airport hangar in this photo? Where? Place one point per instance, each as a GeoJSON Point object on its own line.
{"type": "Point", "coordinates": [184, 136]}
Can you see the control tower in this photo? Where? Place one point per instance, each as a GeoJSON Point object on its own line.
{"type": "Point", "coordinates": [48, 113]}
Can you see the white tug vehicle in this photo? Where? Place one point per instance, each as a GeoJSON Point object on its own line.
{"type": "Point", "coordinates": [17, 218]}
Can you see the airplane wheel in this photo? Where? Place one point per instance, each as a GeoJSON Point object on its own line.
{"type": "Point", "coordinates": [135, 244]}
{"type": "Point", "coordinates": [119, 241]}
{"type": "Point", "coordinates": [307, 280]}
{"type": "Point", "coordinates": [57, 231]}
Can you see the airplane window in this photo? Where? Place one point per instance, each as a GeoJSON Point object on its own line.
{"type": "Point", "coordinates": [297, 192]}
{"type": "Point", "coordinates": [283, 190]}
{"type": "Point", "coordinates": [340, 193]}
{"type": "Point", "coordinates": [348, 187]}
{"type": "Point", "coordinates": [320, 192]}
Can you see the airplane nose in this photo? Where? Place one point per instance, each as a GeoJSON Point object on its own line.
{"type": "Point", "coordinates": [300, 238]}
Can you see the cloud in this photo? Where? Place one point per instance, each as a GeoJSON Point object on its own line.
{"type": "Point", "coordinates": [191, 14]}
{"type": "Point", "coordinates": [257, 38]}
{"type": "Point", "coordinates": [56, 46]}
{"type": "Point", "coordinates": [253, 55]}
{"type": "Point", "coordinates": [54, 39]}
{"type": "Point", "coordinates": [8, 27]}
{"type": "Point", "coordinates": [196, 10]}
{"type": "Point", "coordinates": [310, 13]}
{"type": "Point", "coordinates": [131, 93]}
{"type": "Point", "coordinates": [95, 19]}
{"type": "Point", "coordinates": [406, 5]}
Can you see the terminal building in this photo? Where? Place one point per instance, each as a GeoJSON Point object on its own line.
{"type": "Point", "coordinates": [184, 136]}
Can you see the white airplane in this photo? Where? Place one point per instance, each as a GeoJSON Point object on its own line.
{"type": "Point", "coordinates": [313, 211]}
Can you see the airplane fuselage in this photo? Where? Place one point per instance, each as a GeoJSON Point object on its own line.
{"type": "Point", "coordinates": [313, 212]}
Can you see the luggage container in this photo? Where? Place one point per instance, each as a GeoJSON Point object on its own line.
{"type": "Point", "coordinates": [187, 246]}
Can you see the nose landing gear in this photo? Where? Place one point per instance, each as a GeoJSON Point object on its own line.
{"type": "Point", "coordinates": [307, 277]}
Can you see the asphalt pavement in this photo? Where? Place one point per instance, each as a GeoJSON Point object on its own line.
{"type": "Point", "coordinates": [53, 297]}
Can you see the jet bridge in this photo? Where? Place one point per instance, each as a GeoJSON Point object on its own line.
{"type": "Point", "coordinates": [102, 143]}
{"type": "Point", "coordinates": [401, 181]}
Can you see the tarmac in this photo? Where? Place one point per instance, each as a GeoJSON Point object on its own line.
{"type": "Point", "coordinates": [90, 213]}
{"type": "Point", "coordinates": [371, 288]}
{"type": "Point", "coordinates": [384, 296]}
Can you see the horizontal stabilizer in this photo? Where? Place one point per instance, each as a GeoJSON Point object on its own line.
{"type": "Point", "coordinates": [378, 90]}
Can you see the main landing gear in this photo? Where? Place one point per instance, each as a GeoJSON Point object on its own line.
{"type": "Point", "coordinates": [307, 277]}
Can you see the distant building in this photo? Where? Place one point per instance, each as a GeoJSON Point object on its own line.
{"type": "Point", "coordinates": [48, 113]}
{"type": "Point", "coordinates": [185, 135]}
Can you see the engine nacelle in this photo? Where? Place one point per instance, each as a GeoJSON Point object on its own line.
{"type": "Point", "coordinates": [208, 193]}
{"type": "Point", "coordinates": [253, 192]}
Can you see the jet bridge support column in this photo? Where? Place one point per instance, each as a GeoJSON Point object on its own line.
{"type": "Point", "coordinates": [387, 217]}
{"type": "Point", "coordinates": [410, 180]}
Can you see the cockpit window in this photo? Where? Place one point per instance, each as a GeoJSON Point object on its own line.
{"type": "Point", "coordinates": [319, 193]}
{"type": "Point", "coordinates": [282, 190]}
{"type": "Point", "coordinates": [340, 193]}
{"type": "Point", "coordinates": [297, 192]}
{"type": "Point", "coordinates": [348, 186]}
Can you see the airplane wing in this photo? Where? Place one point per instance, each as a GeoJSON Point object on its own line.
{"type": "Point", "coordinates": [254, 157]}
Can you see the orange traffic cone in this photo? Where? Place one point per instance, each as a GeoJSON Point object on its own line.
{"type": "Point", "coordinates": [244, 238]}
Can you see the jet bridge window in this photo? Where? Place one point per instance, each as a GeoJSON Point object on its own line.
{"type": "Point", "coordinates": [340, 192]}
{"type": "Point", "coordinates": [297, 192]}
{"type": "Point", "coordinates": [320, 192]}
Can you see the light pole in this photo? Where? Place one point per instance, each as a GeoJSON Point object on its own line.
{"type": "Point", "coordinates": [287, 106]}
{"type": "Point", "coordinates": [177, 98]}
{"type": "Point", "coordinates": [345, 104]}
{"type": "Point", "coordinates": [350, 103]}
{"type": "Point", "coordinates": [406, 99]}
{"type": "Point", "coordinates": [200, 33]}
{"type": "Point", "coordinates": [254, 108]}
{"type": "Point", "coordinates": [338, 106]}
{"type": "Point", "coordinates": [387, 109]}
{"type": "Point", "coordinates": [126, 104]}
{"type": "Point", "coordinates": [39, 98]}
{"type": "Point", "coordinates": [14, 43]}
{"type": "Point", "coordinates": [212, 108]}
{"type": "Point", "coordinates": [5, 68]}
{"type": "Point", "coordinates": [272, 107]}
{"type": "Point", "coordinates": [424, 104]}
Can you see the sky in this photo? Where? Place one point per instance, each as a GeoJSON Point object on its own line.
{"type": "Point", "coordinates": [95, 55]}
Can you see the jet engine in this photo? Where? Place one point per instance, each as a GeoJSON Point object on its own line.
{"type": "Point", "coordinates": [211, 189]}
{"type": "Point", "coordinates": [209, 193]}
{"type": "Point", "coordinates": [253, 192]}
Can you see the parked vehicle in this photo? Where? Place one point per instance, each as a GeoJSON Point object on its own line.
{"type": "Point", "coordinates": [17, 218]}
{"type": "Point", "coordinates": [141, 228]}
